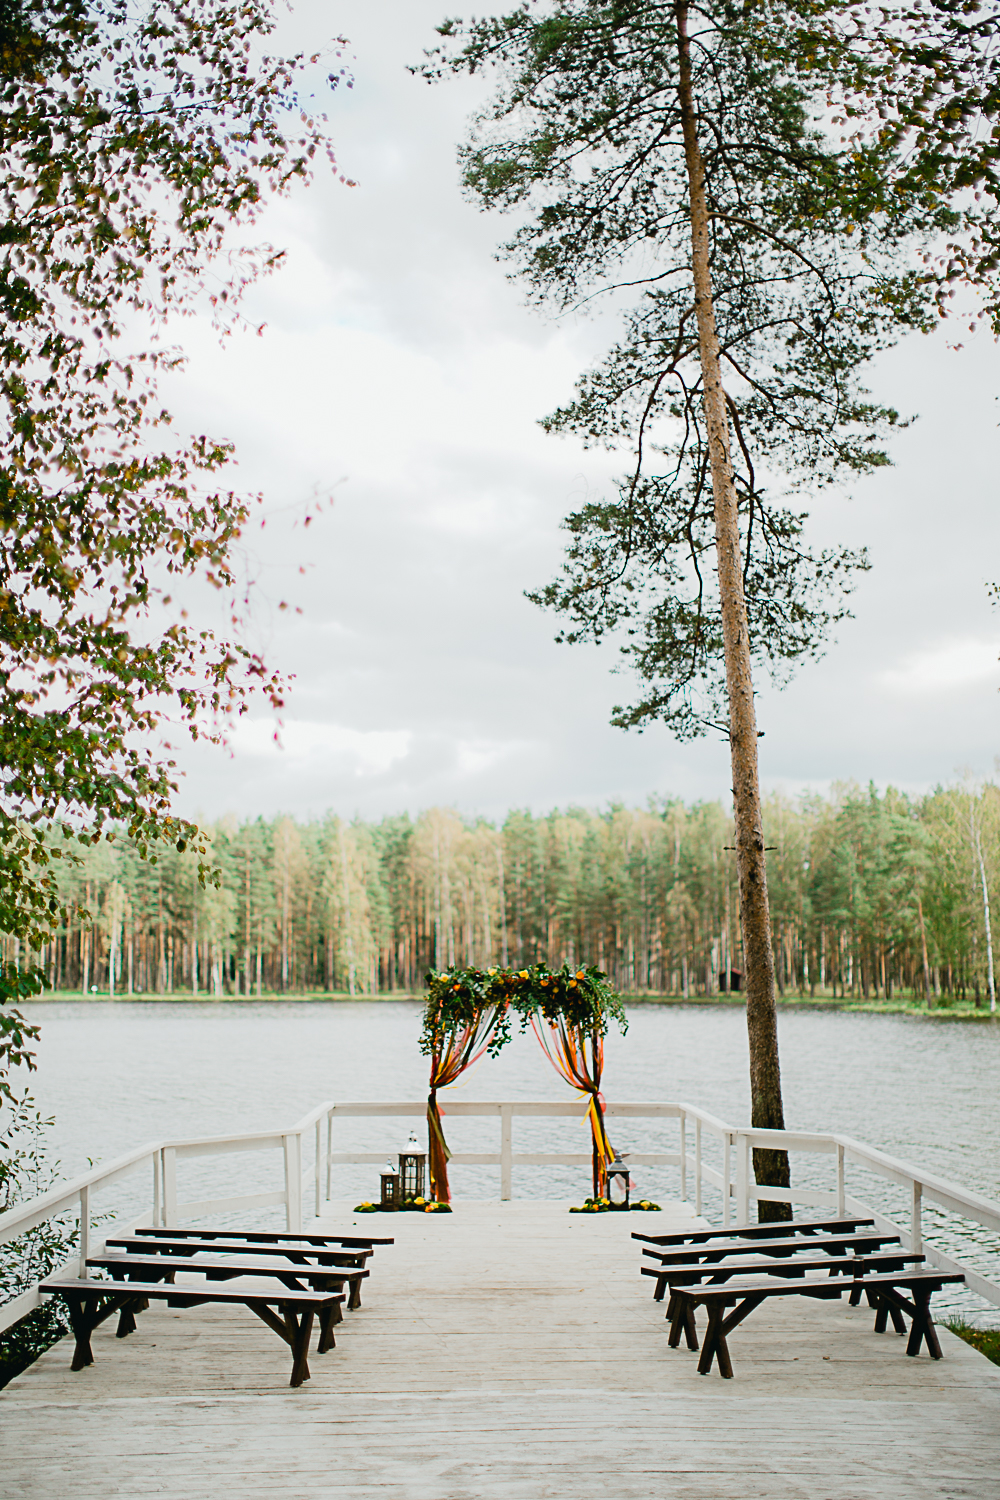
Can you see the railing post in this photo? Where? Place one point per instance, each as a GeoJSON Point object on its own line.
{"type": "Point", "coordinates": [697, 1167]}
{"type": "Point", "coordinates": [329, 1153]}
{"type": "Point", "coordinates": [169, 1188]}
{"type": "Point", "coordinates": [684, 1156]}
{"type": "Point", "coordinates": [157, 1203]}
{"type": "Point", "coordinates": [318, 1168]}
{"type": "Point", "coordinates": [84, 1230]}
{"type": "Point", "coordinates": [506, 1151]}
{"type": "Point", "coordinates": [841, 1188]}
{"type": "Point", "coordinates": [916, 1232]}
{"type": "Point", "coordinates": [293, 1182]}
{"type": "Point", "coordinates": [726, 1176]}
{"type": "Point", "coordinates": [742, 1177]}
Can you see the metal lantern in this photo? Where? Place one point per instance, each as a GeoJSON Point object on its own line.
{"type": "Point", "coordinates": [618, 1183]}
{"type": "Point", "coordinates": [411, 1171]}
{"type": "Point", "coordinates": [390, 1187]}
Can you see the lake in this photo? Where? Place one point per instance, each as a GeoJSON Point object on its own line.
{"type": "Point", "coordinates": [117, 1075]}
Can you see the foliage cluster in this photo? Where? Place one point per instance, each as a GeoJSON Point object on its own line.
{"type": "Point", "coordinates": [16, 1033]}
{"type": "Point", "coordinates": [25, 1173]}
{"type": "Point", "coordinates": [135, 142]}
{"type": "Point", "coordinates": [986, 1340]}
{"type": "Point", "coordinates": [604, 1205]}
{"type": "Point", "coordinates": [648, 893]}
{"type": "Point", "coordinates": [813, 274]}
{"type": "Point", "coordinates": [581, 997]}
{"type": "Point", "coordinates": [412, 1205]}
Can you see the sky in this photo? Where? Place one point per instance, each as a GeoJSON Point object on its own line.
{"type": "Point", "coordinates": [392, 370]}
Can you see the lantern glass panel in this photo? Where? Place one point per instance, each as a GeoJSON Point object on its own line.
{"type": "Point", "coordinates": [411, 1174]}
{"type": "Point", "coordinates": [618, 1184]}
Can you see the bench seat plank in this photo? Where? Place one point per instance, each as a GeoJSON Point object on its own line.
{"type": "Point", "coordinates": [779, 1229]}
{"type": "Point", "coordinates": [266, 1236]}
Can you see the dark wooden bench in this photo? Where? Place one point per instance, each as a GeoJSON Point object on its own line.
{"type": "Point", "coordinates": [289, 1314]}
{"type": "Point", "coordinates": [268, 1236]}
{"type": "Point", "coordinates": [778, 1229]}
{"type": "Point", "coordinates": [846, 1243]}
{"type": "Point", "coordinates": [303, 1255]}
{"type": "Point", "coordinates": [700, 1273]}
{"type": "Point", "coordinates": [885, 1290]}
{"type": "Point", "coordinates": [165, 1268]}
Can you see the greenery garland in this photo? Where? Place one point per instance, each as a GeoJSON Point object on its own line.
{"type": "Point", "coordinates": [457, 997]}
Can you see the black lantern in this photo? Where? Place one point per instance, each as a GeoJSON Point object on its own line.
{"type": "Point", "coordinates": [411, 1171]}
{"type": "Point", "coordinates": [618, 1183]}
{"type": "Point", "coordinates": [390, 1187]}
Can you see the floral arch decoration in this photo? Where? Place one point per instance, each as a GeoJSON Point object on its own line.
{"type": "Point", "coordinates": [468, 1013]}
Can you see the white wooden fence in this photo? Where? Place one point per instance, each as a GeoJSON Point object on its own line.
{"type": "Point", "coordinates": [308, 1160]}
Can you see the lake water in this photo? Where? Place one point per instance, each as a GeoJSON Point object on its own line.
{"type": "Point", "coordinates": [117, 1075]}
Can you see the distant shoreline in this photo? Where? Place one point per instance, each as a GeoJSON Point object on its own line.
{"type": "Point", "coordinates": [905, 1007]}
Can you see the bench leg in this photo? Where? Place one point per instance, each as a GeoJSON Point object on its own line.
{"type": "Point", "coordinates": [675, 1312]}
{"type": "Point", "coordinates": [82, 1327]}
{"type": "Point", "coordinates": [683, 1317]}
{"type": "Point", "coordinates": [719, 1325]}
{"type": "Point", "coordinates": [294, 1330]}
{"type": "Point", "coordinates": [126, 1319]}
{"type": "Point", "coordinates": [85, 1314]}
{"type": "Point", "coordinates": [884, 1310]}
{"type": "Point", "coordinates": [326, 1322]}
{"type": "Point", "coordinates": [715, 1344]}
{"type": "Point", "coordinates": [300, 1345]}
{"type": "Point", "coordinates": [922, 1327]}
{"type": "Point", "coordinates": [659, 1289]}
{"type": "Point", "coordinates": [355, 1298]}
{"type": "Point", "coordinates": [690, 1331]}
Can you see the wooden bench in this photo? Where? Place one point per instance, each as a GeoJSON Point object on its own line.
{"type": "Point", "coordinates": [268, 1236]}
{"type": "Point", "coordinates": [779, 1229]}
{"type": "Point", "coordinates": [302, 1255]}
{"type": "Point", "coordinates": [289, 1314]}
{"type": "Point", "coordinates": [886, 1290]}
{"type": "Point", "coordinates": [165, 1268]}
{"type": "Point", "coordinates": [715, 1273]}
{"type": "Point", "coordinates": [847, 1243]}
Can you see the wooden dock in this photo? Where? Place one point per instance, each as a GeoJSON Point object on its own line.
{"type": "Point", "coordinates": [509, 1351]}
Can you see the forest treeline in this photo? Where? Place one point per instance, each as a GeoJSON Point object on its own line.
{"type": "Point", "coordinates": [871, 895]}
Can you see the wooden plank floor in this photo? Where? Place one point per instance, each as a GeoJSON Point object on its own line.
{"type": "Point", "coordinates": [505, 1352]}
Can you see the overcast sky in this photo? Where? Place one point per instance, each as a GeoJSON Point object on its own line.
{"type": "Point", "coordinates": [399, 372]}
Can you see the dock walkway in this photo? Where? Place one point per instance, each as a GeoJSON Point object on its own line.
{"type": "Point", "coordinates": [508, 1351]}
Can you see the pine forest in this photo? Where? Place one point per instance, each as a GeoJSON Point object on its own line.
{"type": "Point", "coordinates": [872, 896]}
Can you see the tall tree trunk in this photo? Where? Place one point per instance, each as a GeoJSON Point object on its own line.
{"type": "Point", "coordinates": [990, 980]}
{"type": "Point", "coordinates": [770, 1166]}
{"type": "Point", "coordinates": [923, 953]}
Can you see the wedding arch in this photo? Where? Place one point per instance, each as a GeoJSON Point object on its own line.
{"type": "Point", "coordinates": [468, 1013]}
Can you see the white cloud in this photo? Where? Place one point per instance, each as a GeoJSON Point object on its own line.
{"type": "Point", "coordinates": [366, 752]}
{"type": "Point", "coordinates": [956, 664]}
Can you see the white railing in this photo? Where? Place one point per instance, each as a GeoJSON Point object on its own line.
{"type": "Point", "coordinates": [308, 1160]}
